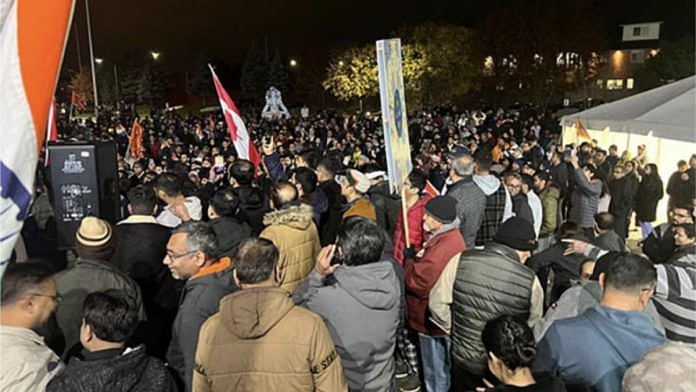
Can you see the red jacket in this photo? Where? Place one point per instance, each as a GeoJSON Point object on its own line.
{"type": "Point", "coordinates": [422, 274]}
{"type": "Point", "coordinates": [415, 229]}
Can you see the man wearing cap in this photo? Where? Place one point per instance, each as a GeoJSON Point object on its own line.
{"type": "Point", "coordinates": [490, 283]}
{"type": "Point", "coordinates": [471, 201]}
{"type": "Point", "coordinates": [95, 243]}
{"type": "Point", "coordinates": [353, 187]}
{"type": "Point", "coordinates": [429, 279]}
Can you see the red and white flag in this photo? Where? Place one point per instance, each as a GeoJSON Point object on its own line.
{"type": "Point", "coordinates": [238, 131]}
{"type": "Point", "coordinates": [52, 129]}
{"type": "Point", "coordinates": [431, 190]}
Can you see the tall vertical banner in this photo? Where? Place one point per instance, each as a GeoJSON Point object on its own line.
{"type": "Point", "coordinates": [394, 121]}
{"type": "Point", "coordinates": [32, 42]}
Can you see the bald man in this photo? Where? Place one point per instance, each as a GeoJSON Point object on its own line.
{"type": "Point", "coordinates": [292, 230]}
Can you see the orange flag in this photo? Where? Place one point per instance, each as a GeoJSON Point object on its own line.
{"type": "Point", "coordinates": [135, 141]}
{"type": "Point", "coordinates": [582, 132]}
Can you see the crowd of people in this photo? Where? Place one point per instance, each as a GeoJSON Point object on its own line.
{"type": "Point", "coordinates": [516, 273]}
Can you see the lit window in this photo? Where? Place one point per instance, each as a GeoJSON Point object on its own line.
{"type": "Point", "coordinates": [636, 31]}
{"type": "Point", "coordinates": [629, 83]}
{"type": "Point", "coordinates": [614, 84]}
{"type": "Point", "coordinates": [600, 83]}
{"type": "Point", "coordinates": [637, 56]}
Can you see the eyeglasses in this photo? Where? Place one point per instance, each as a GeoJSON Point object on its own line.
{"type": "Point", "coordinates": [174, 256]}
{"type": "Point", "coordinates": [56, 298]}
{"type": "Point", "coordinates": [515, 186]}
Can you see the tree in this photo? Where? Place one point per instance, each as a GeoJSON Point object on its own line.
{"type": "Point", "coordinates": [674, 61]}
{"type": "Point", "coordinates": [129, 83]}
{"type": "Point", "coordinates": [201, 83]}
{"type": "Point", "coordinates": [353, 74]}
{"type": "Point", "coordinates": [81, 83]}
{"type": "Point", "coordinates": [254, 72]}
{"type": "Point", "coordinates": [278, 74]}
{"type": "Point", "coordinates": [151, 85]}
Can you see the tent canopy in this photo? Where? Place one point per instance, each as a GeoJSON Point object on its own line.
{"type": "Point", "coordinates": [668, 111]}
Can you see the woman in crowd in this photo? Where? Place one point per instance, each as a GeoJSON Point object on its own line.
{"type": "Point", "coordinates": [650, 191]}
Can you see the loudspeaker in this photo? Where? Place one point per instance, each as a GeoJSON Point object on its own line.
{"type": "Point", "coordinates": [84, 182]}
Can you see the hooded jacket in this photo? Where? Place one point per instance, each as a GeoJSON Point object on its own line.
{"type": "Point", "coordinates": [361, 306]}
{"type": "Point", "coordinates": [200, 299]}
{"type": "Point", "coordinates": [252, 207]}
{"type": "Point", "coordinates": [584, 200]}
{"type": "Point", "coordinates": [498, 207]}
{"type": "Point", "coordinates": [129, 371]}
{"type": "Point", "coordinates": [229, 233]}
{"type": "Point", "coordinates": [294, 234]}
{"type": "Point", "coordinates": [261, 341]}
{"type": "Point", "coordinates": [597, 347]}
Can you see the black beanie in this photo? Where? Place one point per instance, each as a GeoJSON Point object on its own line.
{"type": "Point", "coordinates": [517, 233]}
{"type": "Point", "coordinates": [442, 208]}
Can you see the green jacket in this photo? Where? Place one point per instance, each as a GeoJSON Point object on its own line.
{"type": "Point", "coordinates": [549, 203]}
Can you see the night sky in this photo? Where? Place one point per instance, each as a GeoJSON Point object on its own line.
{"type": "Point", "coordinates": [180, 29]}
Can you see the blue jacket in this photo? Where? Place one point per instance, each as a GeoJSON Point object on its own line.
{"type": "Point", "coordinates": [597, 347]}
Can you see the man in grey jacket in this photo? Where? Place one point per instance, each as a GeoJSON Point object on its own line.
{"type": "Point", "coordinates": [471, 201]}
{"type": "Point", "coordinates": [359, 296]}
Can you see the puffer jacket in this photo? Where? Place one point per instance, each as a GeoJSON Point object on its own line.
{"type": "Point", "coordinates": [200, 299]}
{"type": "Point", "coordinates": [489, 283]}
{"type": "Point", "coordinates": [130, 371]}
{"type": "Point", "coordinates": [294, 234]}
{"type": "Point", "coordinates": [549, 202]}
{"type": "Point", "coordinates": [584, 200]}
{"type": "Point", "coordinates": [261, 341]}
{"type": "Point", "coordinates": [415, 229]}
{"type": "Point", "coordinates": [361, 306]}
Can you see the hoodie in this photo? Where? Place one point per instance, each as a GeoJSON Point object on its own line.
{"type": "Point", "coordinates": [489, 184]}
{"type": "Point", "coordinates": [346, 302]}
{"type": "Point", "coordinates": [252, 207]}
{"type": "Point", "coordinates": [229, 233]}
{"type": "Point", "coordinates": [261, 341]}
{"type": "Point", "coordinates": [597, 347]}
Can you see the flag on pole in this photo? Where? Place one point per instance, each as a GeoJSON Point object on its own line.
{"type": "Point", "coordinates": [238, 131]}
{"type": "Point", "coordinates": [52, 129]}
{"type": "Point", "coordinates": [582, 133]}
{"type": "Point", "coordinates": [78, 100]}
{"type": "Point", "coordinates": [32, 42]}
{"type": "Point", "coordinates": [135, 141]}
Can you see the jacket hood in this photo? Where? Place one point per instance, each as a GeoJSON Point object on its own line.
{"type": "Point", "coordinates": [489, 184]}
{"type": "Point", "coordinates": [630, 329]}
{"type": "Point", "coordinates": [251, 313]}
{"type": "Point", "coordinates": [373, 285]}
{"type": "Point", "coordinates": [249, 197]}
{"type": "Point", "coordinates": [298, 217]}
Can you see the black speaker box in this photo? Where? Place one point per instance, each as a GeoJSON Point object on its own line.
{"type": "Point", "coordinates": [84, 182]}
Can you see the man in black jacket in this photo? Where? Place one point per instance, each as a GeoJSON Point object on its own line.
{"type": "Point", "coordinates": [229, 230]}
{"type": "Point", "coordinates": [331, 219]}
{"type": "Point", "coordinates": [623, 191]}
{"type": "Point", "coordinates": [520, 205]}
{"type": "Point", "coordinates": [253, 204]}
{"type": "Point", "coordinates": [141, 248]}
{"type": "Point", "coordinates": [106, 363]}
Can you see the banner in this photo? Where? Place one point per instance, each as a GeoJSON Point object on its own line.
{"type": "Point", "coordinates": [32, 42]}
{"type": "Point", "coordinates": [393, 102]}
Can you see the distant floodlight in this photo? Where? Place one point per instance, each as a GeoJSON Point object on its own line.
{"type": "Point", "coordinates": [98, 60]}
{"type": "Point", "coordinates": [155, 55]}
{"type": "Point", "coordinates": [293, 63]}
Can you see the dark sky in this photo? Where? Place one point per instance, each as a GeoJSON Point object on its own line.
{"type": "Point", "coordinates": [180, 29]}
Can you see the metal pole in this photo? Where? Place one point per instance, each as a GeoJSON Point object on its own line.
{"type": "Point", "coordinates": [91, 57]}
{"type": "Point", "coordinates": [116, 87]}
{"type": "Point", "coordinates": [77, 44]}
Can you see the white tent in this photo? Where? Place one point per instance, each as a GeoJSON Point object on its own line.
{"type": "Point", "coordinates": [664, 119]}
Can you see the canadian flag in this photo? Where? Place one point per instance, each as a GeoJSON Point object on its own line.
{"type": "Point", "coordinates": [238, 131]}
{"type": "Point", "coordinates": [52, 129]}
{"type": "Point", "coordinates": [431, 190]}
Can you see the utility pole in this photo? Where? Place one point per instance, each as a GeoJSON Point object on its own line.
{"type": "Point", "coordinates": [91, 57]}
{"type": "Point", "coordinates": [77, 44]}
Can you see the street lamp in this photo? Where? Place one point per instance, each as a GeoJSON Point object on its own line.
{"type": "Point", "coordinates": [155, 55]}
{"type": "Point", "coordinates": [341, 63]}
{"type": "Point", "coordinates": [293, 63]}
{"type": "Point", "coordinates": [98, 61]}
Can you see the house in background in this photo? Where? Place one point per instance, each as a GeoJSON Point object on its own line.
{"type": "Point", "coordinates": [617, 78]}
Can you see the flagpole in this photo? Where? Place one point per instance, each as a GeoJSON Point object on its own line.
{"type": "Point", "coordinates": [91, 57]}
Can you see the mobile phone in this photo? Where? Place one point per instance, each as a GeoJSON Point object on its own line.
{"type": "Point", "coordinates": [337, 258]}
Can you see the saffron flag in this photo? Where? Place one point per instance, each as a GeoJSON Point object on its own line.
{"type": "Point", "coordinates": [200, 136]}
{"type": "Point", "coordinates": [135, 141]}
{"type": "Point", "coordinates": [32, 42]}
{"type": "Point", "coordinates": [78, 100]}
{"type": "Point", "coordinates": [238, 131]}
{"type": "Point", "coordinates": [52, 129]}
{"type": "Point", "coordinates": [211, 123]}
{"type": "Point", "coordinates": [582, 133]}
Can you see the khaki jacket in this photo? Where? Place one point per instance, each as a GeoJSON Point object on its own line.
{"type": "Point", "coordinates": [363, 208]}
{"type": "Point", "coordinates": [26, 363]}
{"type": "Point", "coordinates": [294, 234]}
{"type": "Point", "coordinates": [261, 341]}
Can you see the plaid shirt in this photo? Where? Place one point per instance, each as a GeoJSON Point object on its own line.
{"type": "Point", "coordinates": [492, 216]}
